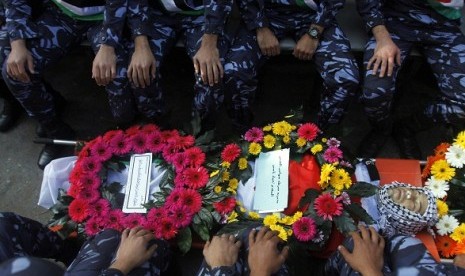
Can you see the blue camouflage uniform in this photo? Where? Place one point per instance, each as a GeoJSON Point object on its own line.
{"type": "Point", "coordinates": [332, 58]}
{"type": "Point", "coordinates": [403, 255]}
{"type": "Point", "coordinates": [48, 38]}
{"type": "Point", "coordinates": [123, 21]}
{"type": "Point", "coordinates": [416, 23]}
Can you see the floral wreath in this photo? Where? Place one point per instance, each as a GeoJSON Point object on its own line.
{"type": "Point", "coordinates": [328, 195]}
{"type": "Point", "coordinates": [444, 175]}
{"type": "Point", "coordinates": [186, 197]}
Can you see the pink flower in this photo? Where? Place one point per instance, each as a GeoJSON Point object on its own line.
{"type": "Point", "coordinates": [345, 198]}
{"type": "Point", "coordinates": [133, 220]}
{"type": "Point", "coordinates": [192, 199]}
{"type": "Point", "coordinates": [195, 178]}
{"type": "Point", "coordinates": [100, 208]}
{"type": "Point", "coordinates": [169, 134]}
{"type": "Point", "coordinates": [101, 151]}
{"type": "Point", "coordinates": [174, 198]}
{"type": "Point", "coordinates": [91, 165]}
{"type": "Point", "coordinates": [179, 161]}
{"type": "Point", "coordinates": [304, 229]}
{"type": "Point", "coordinates": [333, 142]}
{"type": "Point", "coordinates": [119, 145]}
{"type": "Point", "coordinates": [115, 219]}
{"type": "Point", "coordinates": [230, 153]}
{"type": "Point", "coordinates": [108, 136]}
{"type": "Point", "coordinates": [181, 215]}
{"type": "Point", "coordinates": [181, 142]}
{"type": "Point", "coordinates": [132, 130]}
{"type": "Point", "coordinates": [308, 131]}
{"type": "Point", "coordinates": [93, 227]}
{"type": "Point", "coordinates": [89, 181]}
{"type": "Point", "coordinates": [169, 152]}
{"type": "Point", "coordinates": [89, 195]}
{"type": "Point", "coordinates": [150, 128]}
{"type": "Point", "coordinates": [168, 230]}
{"type": "Point", "coordinates": [225, 206]}
{"type": "Point", "coordinates": [74, 190]}
{"type": "Point", "coordinates": [155, 142]}
{"type": "Point", "coordinates": [254, 135]}
{"type": "Point", "coordinates": [78, 210]}
{"type": "Point", "coordinates": [76, 173]}
{"type": "Point", "coordinates": [327, 207]}
{"type": "Point", "coordinates": [195, 157]}
{"type": "Point", "coordinates": [155, 215]}
{"type": "Point", "coordinates": [139, 142]}
{"type": "Point", "coordinates": [332, 154]}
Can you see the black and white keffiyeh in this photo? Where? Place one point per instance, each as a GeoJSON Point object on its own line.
{"type": "Point", "coordinates": [396, 219]}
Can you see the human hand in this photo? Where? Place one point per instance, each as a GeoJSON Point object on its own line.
{"type": "Point", "coordinates": [386, 54]}
{"type": "Point", "coordinates": [264, 256]}
{"type": "Point", "coordinates": [367, 256]}
{"type": "Point", "coordinates": [132, 250]}
{"type": "Point", "coordinates": [207, 60]}
{"type": "Point", "coordinates": [104, 65]}
{"type": "Point", "coordinates": [17, 60]}
{"type": "Point", "coordinates": [142, 68]}
{"type": "Point", "coordinates": [459, 261]}
{"type": "Point", "coordinates": [305, 48]}
{"type": "Point", "coordinates": [267, 41]}
{"type": "Point", "coordinates": [221, 250]}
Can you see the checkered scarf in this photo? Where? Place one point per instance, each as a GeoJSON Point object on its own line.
{"type": "Point", "coordinates": [396, 219]}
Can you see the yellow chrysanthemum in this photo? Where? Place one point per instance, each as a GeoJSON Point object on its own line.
{"type": "Point", "coordinates": [213, 173]}
{"type": "Point", "coordinates": [242, 209]}
{"type": "Point", "coordinates": [297, 215]}
{"type": "Point", "coordinates": [287, 220]}
{"type": "Point", "coordinates": [282, 232]}
{"type": "Point", "coordinates": [282, 128]}
{"type": "Point", "coordinates": [340, 179]}
{"type": "Point", "coordinates": [242, 163]}
{"type": "Point", "coordinates": [441, 170]}
{"type": "Point", "coordinates": [254, 215]}
{"type": "Point", "coordinates": [225, 164]}
{"type": "Point", "coordinates": [269, 141]}
{"type": "Point", "coordinates": [286, 139]}
{"type": "Point", "coordinates": [324, 140]}
{"type": "Point", "coordinates": [270, 220]}
{"type": "Point", "coordinates": [293, 127]}
{"type": "Point", "coordinates": [289, 232]}
{"type": "Point", "coordinates": [459, 233]}
{"type": "Point", "coordinates": [267, 128]}
{"type": "Point", "coordinates": [233, 182]}
{"type": "Point", "coordinates": [316, 148]}
{"type": "Point", "coordinates": [325, 174]}
{"type": "Point", "coordinates": [337, 192]}
{"type": "Point", "coordinates": [460, 140]}
{"type": "Point", "coordinates": [225, 176]}
{"type": "Point", "coordinates": [443, 209]}
{"type": "Point", "coordinates": [301, 142]}
{"type": "Point", "coordinates": [231, 190]}
{"type": "Point", "coordinates": [217, 189]}
{"type": "Point", "coordinates": [232, 217]}
{"type": "Point", "coordinates": [255, 148]}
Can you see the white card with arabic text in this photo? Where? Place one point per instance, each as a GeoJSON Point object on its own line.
{"type": "Point", "coordinates": [137, 187]}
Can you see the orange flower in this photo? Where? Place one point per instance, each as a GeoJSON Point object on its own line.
{"type": "Point", "coordinates": [429, 162]}
{"type": "Point", "coordinates": [56, 228]}
{"type": "Point", "coordinates": [72, 235]}
{"type": "Point", "coordinates": [446, 246]}
{"type": "Point", "coordinates": [441, 149]}
{"type": "Point", "coordinates": [459, 249]}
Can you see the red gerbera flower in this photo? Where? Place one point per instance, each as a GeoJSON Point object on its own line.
{"type": "Point", "coordinates": [115, 217]}
{"type": "Point", "coordinates": [308, 131]}
{"type": "Point", "coordinates": [327, 207]}
{"type": "Point", "coordinates": [91, 165]}
{"type": "Point", "coordinates": [101, 151]}
{"type": "Point", "coordinates": [89, 195]}
{"type": "Point", "coordinates": [133, 220]}
{"type": "Point", "coordinates": [254, 135]}
{"type": "Point", "coordinates": [155, 142]}
{"type": "Point", "coordinates": [230, 153]}
{"type": "Point", "coordinates": [139, 142]}
{"type": "Point", "coordinates": [174, 198]}
{"type": "Point", "coordinates": [168, 230]}
{"type": "Point", "coordinates": [100, 208]}
{"type": "Point", "coordinates": [88, 181]}
{"type": "Point", "coordinates": [74, 190]}
{"type": "Point", "coordinates": [168, 134]}
{"type": "Point", "coordinates": [225, 206]}
{"type": "Point", "coordinates": [191, 199]}
{"type": "Point", "coordinates": [132, 130]}
{"type": "Point", "coordinates": [150, 128]}
{"type": "Point", "coordinates": [304, 229]}
{"type": "Point", "coordinates": [110, 134]}
{"type": "Point", "coordinates": [93, 226]}
{"type": "Point", "coordinates": [195, 178]}
{"type": "Point", "coordinates": [181, 215]}
{"type": "Point", "coordinates": [194, 156]}
{"type": "Point", "coordinates": [179, 161]}
{"type": "Point", "coordinates": [119, 145]}
{"type": "Point", "coordinates": [78, 210]}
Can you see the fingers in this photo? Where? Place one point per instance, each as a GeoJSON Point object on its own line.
{"type": "Point", "coordinates": [153, 69]}
{"type": "Point", "coordinates": [284, 254]}
{"type": "Point", "coordinates": [345, 253]}
{"type": "Point", "coordinates": [30, 64]}
{"type": "Point", "coordinates": [398, 61]}
{"type": "Point", "coordinates": [252, 237]}
{"type": "Point", "coordinates": [375, 237]}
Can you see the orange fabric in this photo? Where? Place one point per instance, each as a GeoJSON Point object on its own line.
{"type": "Point", "coordinates": [406, 171]}
{"type": "Point", "coordinates": [302, 176]}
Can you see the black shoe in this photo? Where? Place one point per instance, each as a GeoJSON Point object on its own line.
{"type": "Point", "coordinates": [55, 129]}
{"type": "Point", "coordinates": [10, 115]}
{"type": "Point", "coordinates": [372, 144]}
{"type": "Point", "coordinates": [48, 153]}
{"type": "Point", "coordinates": [406, 141]}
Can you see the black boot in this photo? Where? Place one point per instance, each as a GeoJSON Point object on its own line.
{"type": "Point", "coordinates": [405, 131]}
{"type": "Point", "coordinates": [375, 140]}
{"type": "Point", "coordinates": [10, 114]}
{"type": "Point", "coordinates": [60, 104]}
{"type": "Point", "coordinates": [55, 129]}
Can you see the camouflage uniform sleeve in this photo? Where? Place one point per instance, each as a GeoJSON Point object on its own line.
{"type": "Point", "coordinates": [138, 11]}
{"type": "Point", "coordinates": [114, 18]}
{"type": "Point", "coordinates": [216, 14]}
{"type": "Point", "coordinates": [253, 13]}
{"type": "Point", "coordinates": [111, 272]}
{"type": "Point", "coordinates": [326, 12]}
{"type": "Point", "coordinates": [370, 11]}
{"type": "Point", "coordinates": [217, 271]}
{"type": "Point", "coordinates": [18, 20]}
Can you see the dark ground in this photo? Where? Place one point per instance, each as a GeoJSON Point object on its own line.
{"type": "Point", "coordinates": [285, 84]}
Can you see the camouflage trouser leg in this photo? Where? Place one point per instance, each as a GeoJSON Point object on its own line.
{"type": "Point", "coordinates": [59, 32]}
{"type": "Point", "coordinates": [99, 252]}
{"type": "Point", "coordinates": [20, 236]}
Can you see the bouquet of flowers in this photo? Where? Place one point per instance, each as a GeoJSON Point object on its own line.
{"type": "Point", "coordinates": [322, 195]}
{"type": "Point", "coordinates": [184, 201]}
{"type": "Point", "coordinates": [444, 174]}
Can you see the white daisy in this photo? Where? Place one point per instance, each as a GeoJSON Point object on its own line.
{"type": "Point", "coordinates": [437, 186]}
{"type": "Point", "coordinates": [446, 225]}
{"type": "Point", "coordinates": [455, 156]}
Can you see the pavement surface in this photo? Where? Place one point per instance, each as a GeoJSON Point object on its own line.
{"type": "Point", "coordinates": [286, 83]}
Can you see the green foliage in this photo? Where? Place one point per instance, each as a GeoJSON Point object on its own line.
{"type": "Point", "coordinates": [344, 223]}
{"type": "Point", "coordinates": [184, 239]}
{"type": "Point", "coordinates": [362, 189]}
